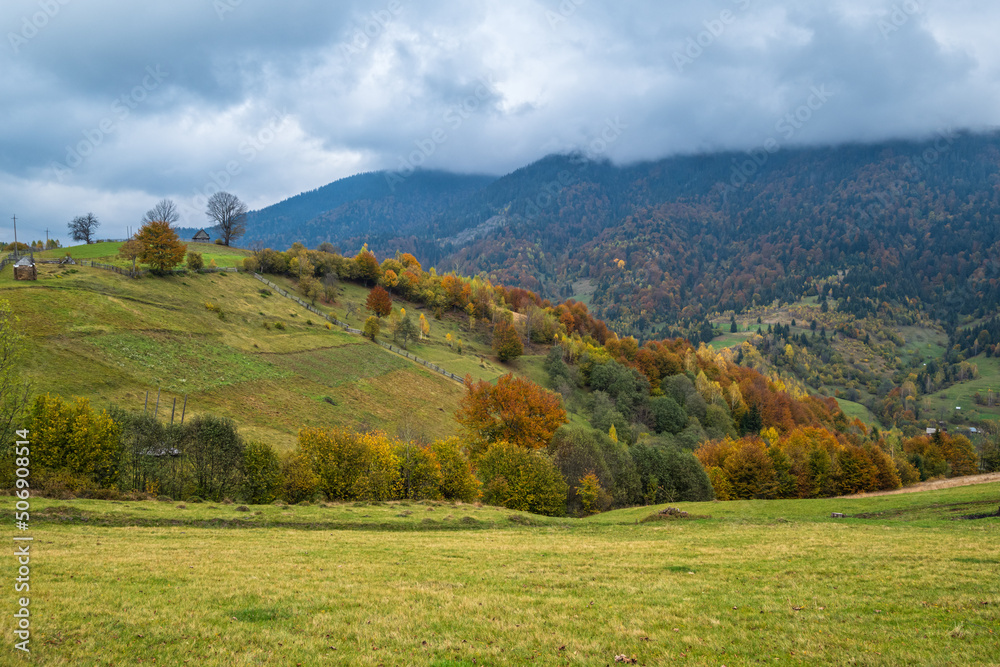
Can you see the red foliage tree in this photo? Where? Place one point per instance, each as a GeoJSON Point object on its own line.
{"type": "Point", "coordinates": [379, 302]}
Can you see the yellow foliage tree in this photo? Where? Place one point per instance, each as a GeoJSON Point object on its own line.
{"type": "Point", "coordinates": [353, 466]}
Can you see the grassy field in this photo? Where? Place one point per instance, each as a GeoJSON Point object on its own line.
{"type": "Point", "coordinates": [263, 360]}
{"type": "Point", "coordinates": [944, 402]}
{"type": "Point", "coordinates": [107, 253]}
{"type": "Point", "coordinates": [901, 580]}
{"type": "Point", "coordinates": [854, 410]}
{"type": "Point", "coordinates": [923, 341]}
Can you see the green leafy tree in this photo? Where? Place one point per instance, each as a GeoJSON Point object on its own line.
{"type": "Point", "coordinates": [506, 341]}
{"type": "Point", "coordinates": [520, 479]}
{"type": "Point", "coordinates": [404, 331]}
{"type": "Point", "coordinates": [458, 480]}
{"type": "Point", "coordinates": [216, 451]}
{"type": "Point", "coordinates": [371, 328]}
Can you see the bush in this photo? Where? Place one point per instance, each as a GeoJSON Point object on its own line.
{"type": "Point", "coordinates": [420, 471]}
{"type": "Point", "coordinates": [371, 328]}
{"type": "Point", "coordinates": [458, 481]}
{"type": "Point", "coordinates": [299, 482]}
{"type": "Point", "coordinates": [578, 451]}
{"type": "Point", "coordinates": [519, 479]}
{"type": "Point", "coordinates": [74, 437]}
{"type": "Point", "coordinates": [670, 474]}
{"type": "Point", "coordinates": [261, 474]}
{"type": "Point", "coordinates": [352, 466]}
{"type": "Point", "coordinates": [195, 261]}
{"type": "Point", "coordinates": [215, 452]}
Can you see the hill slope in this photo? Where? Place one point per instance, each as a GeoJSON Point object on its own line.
{"type": "Point", "coordinates": [96, 334]}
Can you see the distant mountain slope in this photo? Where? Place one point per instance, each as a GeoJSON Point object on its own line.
{"type": "Point", "coordinates": [362, 208]}
{"type": "Point", "coordinates": [682, 237]}
{"type": "Point", "coordinates": [657, 243]}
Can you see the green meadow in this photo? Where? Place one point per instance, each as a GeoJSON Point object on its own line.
{"type": "Point", "coordinates": [227, 344]}
{"type": "Point", "coordinates": [902, 579]}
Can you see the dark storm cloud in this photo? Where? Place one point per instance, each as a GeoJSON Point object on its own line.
{"type": "Point", "coordinates": [110, 106]}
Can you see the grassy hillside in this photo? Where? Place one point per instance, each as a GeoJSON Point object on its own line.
{"type": "Point", "coordinates": [107, 253]}
{"type": "Point", "coordinates": [901, 580]}
{"type": "Point", "coordinates": [96, 334]}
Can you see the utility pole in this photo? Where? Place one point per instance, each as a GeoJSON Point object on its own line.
{"type": "Point", "coordinates": [46, 237]}
{"type": "Point", "coordinates": [15, 237]}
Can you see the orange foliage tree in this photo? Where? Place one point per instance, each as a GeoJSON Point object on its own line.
{"type": "Point", "coordinates": [161, 248]}
{"type": "Point", "coordinates": [516, 410]}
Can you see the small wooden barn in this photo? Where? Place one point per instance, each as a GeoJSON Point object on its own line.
{"type": "Point", "coordinates": [202, 236]}
{"type": "Point", "coordinates": [24, 269]}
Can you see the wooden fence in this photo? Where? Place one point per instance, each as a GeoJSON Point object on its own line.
{"type": "Point", "coordinates": [346, 327]}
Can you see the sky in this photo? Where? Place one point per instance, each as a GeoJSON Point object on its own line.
{"type": "Point", "coordinates": [108, 106]}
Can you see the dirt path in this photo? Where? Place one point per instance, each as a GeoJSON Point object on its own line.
{"type": "Point", "coordinates": [936, 484]}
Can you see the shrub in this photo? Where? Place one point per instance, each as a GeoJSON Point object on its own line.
{"type": "Point", "coordinates": [519, 479]}
{"type": "Point", "coordinates": [458, 481]}
{"type": "Point", "coordinates": [261, 474]}
{"type": "Point", "coordinates": [195, 261]}
{"type": "Point", "coordinates": [420, 471]}
{"type": "Point", "coordinates": [215, 452]}
{"type": "Point", "coordinates": [352, 466]}
{"type": "Point", "coordinates": [73, 437]}
{"type": "Point", "coordinates": [279, 326]}
{"type": "Point", "coordinates": [299, 482]}
{"type": "Point", "coordinates": [371, 328]}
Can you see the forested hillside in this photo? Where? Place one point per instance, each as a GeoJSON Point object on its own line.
{"type": "Point", "coordinates": [656, 245]}
{"type": "Point", "coordinates": [375, 208]}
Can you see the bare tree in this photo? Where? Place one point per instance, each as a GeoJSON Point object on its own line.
{"type": "Point", "coordinates": [83, 227]}
{"type": "Point", "coordinates": [229, 214]}
{"type": "Point", "coordinates": [164, 211]}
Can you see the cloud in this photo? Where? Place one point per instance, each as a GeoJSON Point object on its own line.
{"type": "Point", "coordinates": [272, 99]}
